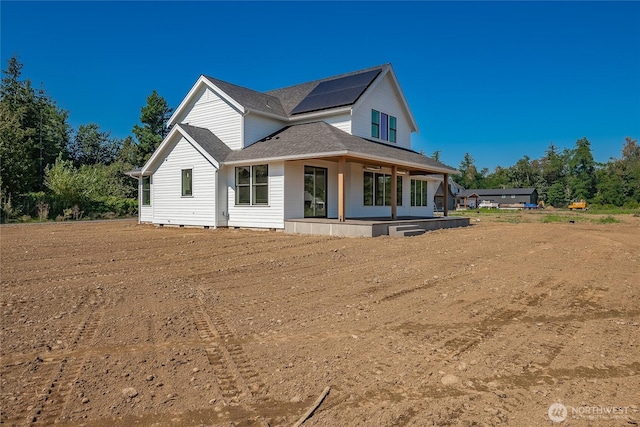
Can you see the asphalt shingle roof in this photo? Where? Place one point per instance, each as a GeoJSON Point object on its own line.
{"type": "Point", "coordinates": [208, 141]}
{"type": "Point", "coordinates": [322, 139]}
{"type": "Point", "coordinates": [249, 98]}
{"type": "Point", "coordinates": [279, 102]}
{"type": "Point", "coordinates": [291, 96]}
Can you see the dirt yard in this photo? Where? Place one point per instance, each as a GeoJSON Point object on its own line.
{"type": "Point", "coordinates": [119, 324]}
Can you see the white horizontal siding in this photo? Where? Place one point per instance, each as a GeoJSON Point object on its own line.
{"type": "Point", "coordinates": [355, 196]}
{"type": "Point", "coordinates": [294, 187]}
{"type": "Point", "coordinates": [293, 190]}
{"type": "Point", "coordinates": [145, 213]}
{"type": "Point", "coordinates": [341, 121]}
{"type": "Point", "coordinates": [169, 207]}
{"type": "Point", "coordinates": [270, 216]}
{"type": "Point", "coordinates": [212, 112]}
{"type": "Point", "coordinates": [386, 99]}
{"type": "Point", "coordinates": [257, 127]}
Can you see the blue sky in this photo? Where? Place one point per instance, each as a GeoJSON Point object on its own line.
{"type": "Point", "coordinates": [499, 80]}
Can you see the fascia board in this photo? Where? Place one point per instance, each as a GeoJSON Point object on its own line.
{"type": "Point", "coordinates": [406, 164]}
{"type": "Point", "coordinates": [161, 148]}
{"type": "Point", "coordinates": [199, 148]}
{"type": "Point", "coordinates": [202, 82]}
{"type": "Point", "coordinates": [146, 169]}
{"type": "Point", "coordinates": [265, 114]}
{"type": "Point", "coordinates": [284, 158]}
{"type": "Point", "coordinates": [319, 114]}
{"type": "Point", "coordinates": [355, 155]}
{"type": "Point", "coordinates": [405, 105]}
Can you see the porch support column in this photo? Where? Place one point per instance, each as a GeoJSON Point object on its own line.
{"type": "Point", "coordinates": [445, 188]}
{"type": "Point", "coordinates": [341, 193]}
{"type": "Point", "coordinates": [394, 192]}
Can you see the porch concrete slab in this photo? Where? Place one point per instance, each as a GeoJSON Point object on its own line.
{"type": "Point", "coordinates": [370, 227]}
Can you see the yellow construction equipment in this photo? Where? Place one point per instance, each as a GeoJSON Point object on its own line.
{"type": "Point", "coordinates": [578, 204]}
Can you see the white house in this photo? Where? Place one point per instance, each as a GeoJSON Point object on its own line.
{"type": "Point", "coordinates": [338, 148]}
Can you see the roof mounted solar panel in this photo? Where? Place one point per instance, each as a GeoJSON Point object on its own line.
{"type": "Point", "coordinates": [336, 92]}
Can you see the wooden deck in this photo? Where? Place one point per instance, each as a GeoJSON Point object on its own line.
{"type": "Point", "coordinates": [372, 227]}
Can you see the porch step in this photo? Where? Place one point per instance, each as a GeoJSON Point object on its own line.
{"type": "Point", "coordinates": [406, 230]}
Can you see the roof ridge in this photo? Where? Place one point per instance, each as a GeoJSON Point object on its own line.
{"type": "Point", "coordinates": [337, 76]}
{"type": "Point", "coordinates": [213, 80]}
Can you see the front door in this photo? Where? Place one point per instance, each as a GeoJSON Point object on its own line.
{"type": "Point", "coordinates": [315, 192]}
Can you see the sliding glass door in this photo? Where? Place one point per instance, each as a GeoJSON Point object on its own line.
{"type": "Point", "coordinates": [315, 192]}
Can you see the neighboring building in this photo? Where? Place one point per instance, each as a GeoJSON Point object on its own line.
{"type": "Point", "coordinates": [454, 189]}
{"type": "Point", "coordinates": [504, 196]}
{"type": "Point", "coordinates": [337, 148]}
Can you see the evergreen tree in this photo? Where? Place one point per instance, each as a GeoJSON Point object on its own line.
{"type": "Point", "coordinates": [153, 116]}
{"type": "Point", "coordinates": [582, 181]}
{"type": "Point", "coordinates": [91, 146]}
{"type": "Point", "coordinates": [470, 177]}
{"type": "Point", "coordinates": [33, 132]}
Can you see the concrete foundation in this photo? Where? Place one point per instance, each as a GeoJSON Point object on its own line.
{"type": "Point", "coordinates": [372, 227]}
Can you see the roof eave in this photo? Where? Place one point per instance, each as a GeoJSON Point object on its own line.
{"type": "Point", "coordinates": [321, 113]}
{"type": "Point", "coordinates": [202, 81]}
{"type": "Point", "coordinates": [388, 69]}
{"type": "Point", "coordinates": [291, 157]}
{"type": "Point", "coordinates": [146, 169]}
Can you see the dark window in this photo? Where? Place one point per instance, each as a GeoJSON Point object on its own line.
{"type": "Point", "coordinates": [243, 185]}
{"type": "Point", "coordinates": [187, 181]}
{"type": "Point", "coordinates": [368, 188]}
{"type": "Point", "coordinates": [252, 185]}
{"type": "Point", "coordinates": [392, 129]}
{"type": "Point", "coordinates": [146, 190]}
{"type": "Point", "coordinates": [377, 189]}
{"type": "Point", "coordinates": [260, 184]}
{"type": "Point", "coordinates": [418, 193]}
{"type": "Point", "coordinates": [375, 124]}
{"type": "Point", "coordinates": [383, 126]}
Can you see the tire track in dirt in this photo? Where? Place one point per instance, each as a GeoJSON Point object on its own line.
{"type": "Point", "coordinates": [234, 371]}
{"type": "Point", "coordinates": [50, 406]}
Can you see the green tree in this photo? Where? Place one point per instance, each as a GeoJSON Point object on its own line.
{"type": "Point", "coordinates": [499, 178]}
{"type": "Point", "coordinates": [582, 182]}
{"type": "Point", "coordinates": [557, 195]}
{"type": "Point", "coordinates": [92, 146]}
{"type": "Point", "coordinates": [33, 132]}
{"type": "Point", "coordinates": [153, 116]}
{"type": "Point", "coordinates": [470, 177]}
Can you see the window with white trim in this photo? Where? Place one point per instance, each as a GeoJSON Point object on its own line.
{"type": "Point", "coordinates": [187, 182]}
{"type": "Point", "coordinates": [252, 185]}
{"type": "Point", "coordinates": [146, 190]}
{"type": "Point", "coordinates": [419, 193]}
{"type": "Point", "coordinates": [383, 126]}
{"type": "Point", "coordinates": [377, 189]}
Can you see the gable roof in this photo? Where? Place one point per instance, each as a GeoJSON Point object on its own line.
{"type": "Point", "coordinates": [320, 139]}
{"type": "Point", "coordinates": [208, 141]}
{"type": "Point", "coordinates": [203, 140]}
{"type": "Point", "coordinates": [290, 103]}
{"type": "Point", "coordinates": [250, 99]}
{"type": "Point", "coordinates": [295, 97]}
{"type": "Point", "coordinates": [497, 192]}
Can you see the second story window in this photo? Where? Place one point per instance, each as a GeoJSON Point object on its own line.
{"type": "Point", "coordinates": [383, 126]}
{"type": "Point", "coordinates": [375, 124]}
